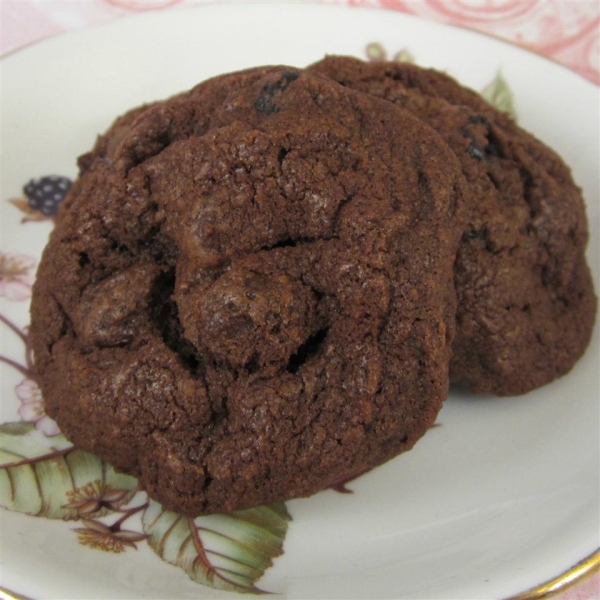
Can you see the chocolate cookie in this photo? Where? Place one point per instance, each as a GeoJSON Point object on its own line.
{"type": "Point", "coordinates": [249, 295]}
{"type": "Point", "coordinates": [526, 303]}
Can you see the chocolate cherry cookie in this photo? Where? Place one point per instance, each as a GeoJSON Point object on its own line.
{"type": "Point", "coordinates": [249, 294]}
{"type": "Point", "coordinates": [526, 304]}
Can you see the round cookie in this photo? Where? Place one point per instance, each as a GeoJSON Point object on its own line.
{"type": "Point", "coordinates": [526, 304]}
{"type": "Point", "coordinates": [250, 294]}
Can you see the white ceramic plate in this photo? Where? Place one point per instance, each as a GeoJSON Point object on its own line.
{"type": "Point", "coordinates": [503, 496]}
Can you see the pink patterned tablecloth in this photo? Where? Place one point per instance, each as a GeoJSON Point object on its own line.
{"type": "Point", "coordinates": [568, 32]}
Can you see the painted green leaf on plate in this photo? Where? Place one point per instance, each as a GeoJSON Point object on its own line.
{"type": "Point", "coordinates": [16, 428]}
{"type": "Point", "coordinates": [47, 477]}
{"type": "Point", "coordinates": [229, 552]}
{"type": "Point", "coordinates": [498, 94]}
{"type": "Point", "coordinates": [404, 56]}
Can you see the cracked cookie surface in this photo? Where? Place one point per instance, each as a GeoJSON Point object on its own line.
{"type": "Point", "coordinates": [249, 294]}
{"type": "Point", "coordinates": [526, 303]}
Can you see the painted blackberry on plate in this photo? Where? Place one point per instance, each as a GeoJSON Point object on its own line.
{"type": "Point", "coordinates": [42, 197]}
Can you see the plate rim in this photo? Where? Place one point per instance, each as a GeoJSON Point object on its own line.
{"type": "Point", "coordinates": [582, 571]}
{"type": "Point", "coordinates": [332, 4]}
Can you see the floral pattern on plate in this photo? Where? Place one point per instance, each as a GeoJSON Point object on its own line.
{"type": "Point", "coordinates": [43, 475]}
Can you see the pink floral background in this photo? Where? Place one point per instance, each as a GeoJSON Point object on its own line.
{"type": "Point", "coordinates": [567, 32]}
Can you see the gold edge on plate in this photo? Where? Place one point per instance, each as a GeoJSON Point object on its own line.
{"type": "Point", "coordinates": [8, 595]}
{"type": "Point", "coordinates": [576, 574]}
